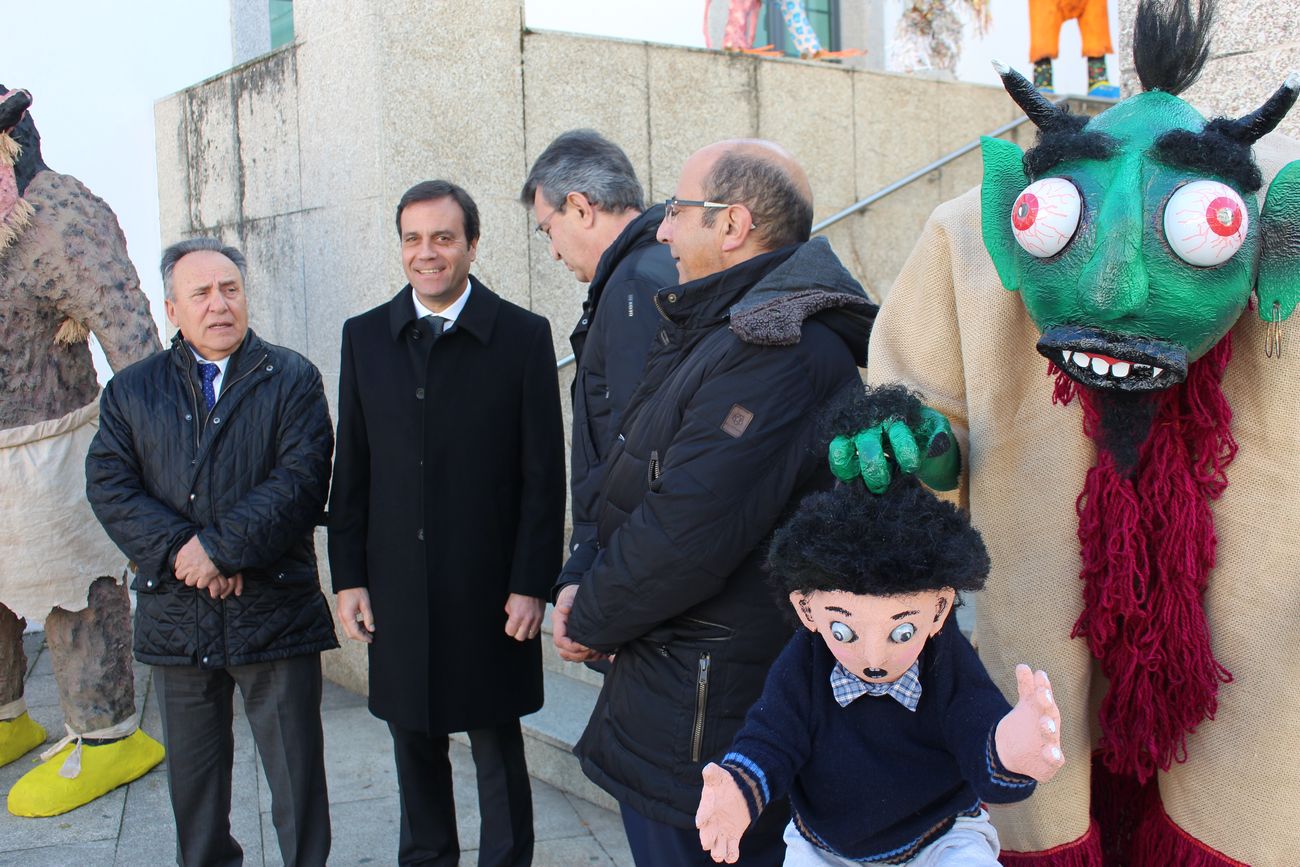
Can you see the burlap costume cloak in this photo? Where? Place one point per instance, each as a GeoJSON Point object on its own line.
{"type": "Point", "coordinates": [949, 330]}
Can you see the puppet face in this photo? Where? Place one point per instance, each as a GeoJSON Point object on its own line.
{"type": "Point", "coordinates": [1134, 259]}
{"type": "Point", "coordinates": [877, 638]}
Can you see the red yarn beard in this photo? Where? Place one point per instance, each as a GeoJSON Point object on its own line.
{"type": "Point", "coordinates": [1147, 547]}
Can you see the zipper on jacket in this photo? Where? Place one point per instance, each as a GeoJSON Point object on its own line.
{"type": "Point", "coordinates": [654, 467]}
{"type": "Point", "coordinates": [701, 701]}
{"type": "Point", "coordinates": [225, 387]}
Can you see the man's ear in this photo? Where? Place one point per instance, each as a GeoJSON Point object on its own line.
{"type": "Point", "coordinates": [942, 608]}
{"type": "Point", "coordinates": [737, 225]}
{"type": "Point", "coordinates": [803, 607]}
{"type": "Point", "coordinates": [1279, 255]}
{"type": "Point", "coordinates": [1004, 179]}
{"type": "Point", "coordinates": [170, 307]}
{"type": "Point", "coordinates": [586, 211]}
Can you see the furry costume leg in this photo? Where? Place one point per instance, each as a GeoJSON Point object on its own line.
{"type": "Point", "coordinates": [18, 733]}
{"type": "Point", "coordinates": [91, 651]}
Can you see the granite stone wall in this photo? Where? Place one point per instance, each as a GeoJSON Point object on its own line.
{"type": "Point", "coordinates": [1253, 47]}
{"type": "Point", "coordinates": [299, 156]}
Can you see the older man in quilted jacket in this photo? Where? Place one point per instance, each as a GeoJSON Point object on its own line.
{"type": "Point", "coordinates": [209, 470]}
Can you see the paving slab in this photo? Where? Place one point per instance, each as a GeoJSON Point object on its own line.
{"type": "Point", "coordinates": [134, 825]}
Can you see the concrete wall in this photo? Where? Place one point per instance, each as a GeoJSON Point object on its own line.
{"type": "Point", "coordinates": [299, 156]}
{"type": "Point", "coordinates": [1254, 45]}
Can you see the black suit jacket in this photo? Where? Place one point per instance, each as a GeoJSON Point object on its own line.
{"type": "Point", "coordinates": [448, 495]}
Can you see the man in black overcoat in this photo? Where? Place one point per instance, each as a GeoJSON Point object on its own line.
{"type": "Point", "coordinates": [446, 524]}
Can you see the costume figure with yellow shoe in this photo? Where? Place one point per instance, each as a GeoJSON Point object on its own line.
{"type": "Point", "coordinates": [1138, 496]}
{"type": "Point", "coordinates": [64, 273]}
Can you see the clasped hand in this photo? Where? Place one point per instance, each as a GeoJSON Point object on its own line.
{"type": "Point", "coordinates": [195, 569]}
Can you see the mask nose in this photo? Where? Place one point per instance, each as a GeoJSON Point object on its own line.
{"type": "Point", "coordinates": [1114, 283]}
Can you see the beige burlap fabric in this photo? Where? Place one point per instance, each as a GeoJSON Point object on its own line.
{"type": "Point", "coordinates": [950, 330]}
{"type": "Point", "coordinates": [51, 546]}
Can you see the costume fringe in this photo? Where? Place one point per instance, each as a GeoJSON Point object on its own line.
{"type": "Point", "coordinates": [71, 332]}
{"type": "Point", "coordinates": [9, 149]}
{"type": "Point", "coordinates": [1160, 842]}
{"type": "Point", "coordinates": [1119, 806]}
{"type": "Point", "coordinates": [1084, 852]}
{"type": "Point", "coordinates": [12, 225]}
{"type": "Point", "coordinates": [1147, 548]}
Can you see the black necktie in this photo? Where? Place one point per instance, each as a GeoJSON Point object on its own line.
{"type": "Point", "coordinates": [434, 325]}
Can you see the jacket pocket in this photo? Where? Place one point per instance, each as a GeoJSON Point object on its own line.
{"type": "Point", "coordinates": [701, 705]}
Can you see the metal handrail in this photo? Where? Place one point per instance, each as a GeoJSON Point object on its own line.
{"type": "Point", "coordinates": [914, 176]}
{"type": "Point", "coordinates": [879, 194]}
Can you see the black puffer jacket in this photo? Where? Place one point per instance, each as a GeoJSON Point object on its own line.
{"type": "Point", "coordinates": [611, 342]}
{"type": "Point", "coordinates": [718, 443]}
{"type": "Point", "coordinates": [250, 477]}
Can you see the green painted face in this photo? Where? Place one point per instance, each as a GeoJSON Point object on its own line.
{"type": "Point", "coordinates": [1131, 265]}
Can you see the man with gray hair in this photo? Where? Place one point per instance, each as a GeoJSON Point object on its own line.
{"type": "Point", "coordinates": [587, 201]}
{"type": "Point", "coordinates": [210, 470]}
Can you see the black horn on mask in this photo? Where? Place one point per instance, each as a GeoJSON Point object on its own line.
{"type": "Point", "coordinates": [1263, 120]}
{"type": "Point", "coordinates": [1047, 116]}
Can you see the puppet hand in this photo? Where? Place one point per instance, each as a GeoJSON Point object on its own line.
{"type": "Point", "coordinates": [929, 451]}
{"type": "Point", "coordinates": [1028, 739]}
{"type": "Point", "coordinates": [722, 816]}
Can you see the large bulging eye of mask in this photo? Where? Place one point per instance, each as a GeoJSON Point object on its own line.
{"type": "Point", "coordinates": [902, 633]}
{"type": "Point", "coordinates": [842, 632]}
{"type": "Point", "coordinates": [1205, 223]}
{"type": "Point", "coordinates": [1045, 216]}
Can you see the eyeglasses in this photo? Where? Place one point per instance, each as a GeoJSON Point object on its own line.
{"type": "Point", "coordinates": [671, 205]}
{"type": "Point", "coordinates": [544, 227]}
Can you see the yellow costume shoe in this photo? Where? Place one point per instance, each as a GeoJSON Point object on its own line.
{"type": "Point", "coordinates": [18, 736]}
{"type": "Point", "coordinates": [46, 790]}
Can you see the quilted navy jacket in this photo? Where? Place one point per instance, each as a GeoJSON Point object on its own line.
{"type": "Point", "coordinates": [250, 477]}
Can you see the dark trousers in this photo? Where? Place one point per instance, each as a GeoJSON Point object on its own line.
{"type": "Point", "coordinates": [656, 844]}
{"type": "Point", "coordinates": [505, 798]}
{"type": "Point", "coordinates": [282, 702]}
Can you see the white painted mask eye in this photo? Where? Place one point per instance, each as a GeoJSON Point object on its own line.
{"type": "Point", "coordinates": [842, 632]}
{"type": "Point", "coordinates": [1045, 215]}
{"type": "Point", "coordinates": [1205, 223]}
{"type": "Point", "coordinates": [902, 633]}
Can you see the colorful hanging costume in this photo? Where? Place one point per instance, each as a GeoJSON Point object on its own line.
{"type": "Point", "coordinates": [1138, 500]}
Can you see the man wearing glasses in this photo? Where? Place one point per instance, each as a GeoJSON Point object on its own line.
{"type": "Point", "coordinates": [590, 209]}
{"type": "Point", "coordinates": [718, 442]}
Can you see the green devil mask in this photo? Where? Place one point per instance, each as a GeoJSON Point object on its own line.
{"type": "Point", "coordinates": [1135, 237]}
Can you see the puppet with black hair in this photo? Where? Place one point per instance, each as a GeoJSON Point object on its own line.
{"type": "Point", "coordinates": [1139, 500]}
{"type": "Point", "coordinates": [64, 273]}
{"type": "Point", "coordinates": [877, 718]}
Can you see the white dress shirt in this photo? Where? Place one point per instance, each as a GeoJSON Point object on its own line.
{"type": "Point", "coordinates": [452, 311]}
{"type": "Point", "coordinates": [221, 371]}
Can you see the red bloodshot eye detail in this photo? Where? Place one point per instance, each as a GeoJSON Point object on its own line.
{"type": "Point", "coordinates": [1045, 216]}
{"type": "Point", "coordinates": [1025, 210]}
{"type": "Point", "coordinates": [1205, 222]}
{"type": "Point", "coordinates": [1223, 216]}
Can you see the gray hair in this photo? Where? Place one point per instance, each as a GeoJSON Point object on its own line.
{"type": "Point", "coordinates": [584, 161]}
{"type": "Point", "coordinates": [782, 213]}
{"type": "Point", "coordinates": [180, 249]}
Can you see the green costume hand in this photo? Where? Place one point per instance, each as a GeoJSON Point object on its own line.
{"type": "Point", "coordinates": [929, 452]}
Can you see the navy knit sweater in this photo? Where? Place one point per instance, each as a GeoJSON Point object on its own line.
{"type": "Point", "coordinates": [882, 782]}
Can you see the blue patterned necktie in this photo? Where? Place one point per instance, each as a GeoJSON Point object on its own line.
{"type": "Point", "coordinates": [208, 372]}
